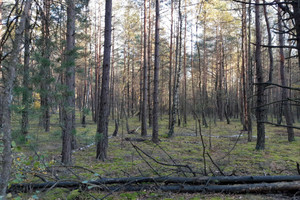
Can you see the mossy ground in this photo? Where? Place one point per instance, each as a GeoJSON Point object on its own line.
{"type": "Point", "coordinates": [41, 155]}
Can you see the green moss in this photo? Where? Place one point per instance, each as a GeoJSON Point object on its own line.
{"type": "Point", "coordinates": [73, 195]}
{"type": "Point", "coordinates": [130, 196]}
{"type": "Point", "coordinates": [55, 194]}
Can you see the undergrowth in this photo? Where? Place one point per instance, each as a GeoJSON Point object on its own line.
{"type": "Point", "coordinates": [38, 155]}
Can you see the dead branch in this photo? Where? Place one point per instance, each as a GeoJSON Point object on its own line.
{"type": "Point", "coordinates": [287, 126]}
{"type": "Point", "coordinates": [195, 184]}
{"type": "Point", "coordinates": [161, 163]}
{"type": "Point", "coordinates": [215, 164]}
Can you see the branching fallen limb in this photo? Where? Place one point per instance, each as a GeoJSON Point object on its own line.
{"type": "Point", "coordinates": [215, 164]}
{"type": "Point", "coordinates": [281, 125]}
{"type": "Point", "coordinates": [240, 188]}
{"type": "Point", "coordinates": [171, 158]}
{"type": "Point", "coordinates": [161, 163]}
{"type": "Point", "coordinates": [218, 180]}
{"type": "Point", "coordinates": [228, 153]}
{"type": "Point", "coordinates": [155, 171]}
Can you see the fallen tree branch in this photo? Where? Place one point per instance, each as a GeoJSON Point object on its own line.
{"type": "Point", "coordinates": [135, 139]}
{"type": "Point", "coordinates": [246, 188]}
{"type": "Point", "coordinates": [215, 164]}
{"type": "Point", "coordinates": [287, 126]}
{"type": "Point", "coordinates": [161, 163]}
{"type": "Point", "coordinates": [218, 180]}
{"type": "Point", "coordinates": [228, 153]}
{"type": "Point", "coordinates": [266, 84]}
{"type": "Point", "coordinates": [241, 188]}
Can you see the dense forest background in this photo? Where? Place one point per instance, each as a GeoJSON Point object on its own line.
{"type": "Point", "coordinates": [93, 75]}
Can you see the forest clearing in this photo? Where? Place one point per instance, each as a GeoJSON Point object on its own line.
{"type": "Point", "coordinates": [150, 99]}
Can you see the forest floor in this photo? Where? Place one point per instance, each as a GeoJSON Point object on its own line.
{"type": "Point", "coordinates": [38, 158]}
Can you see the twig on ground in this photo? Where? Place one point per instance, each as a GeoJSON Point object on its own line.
{"type": "Point", "coordinates": [171, 158]}
{"type": "Point", "coordinates": [161, 163]}
{"type": "Point", "coordinates": [228, 153]}
{"type": "Point", "coordinates": [203, 150]}
{"type": "Point", "coordinates": [41, 177]}
{"type": "Point", "coordinates": [215, 164]}
{"type": "Point", "coordinates": [136, 148]}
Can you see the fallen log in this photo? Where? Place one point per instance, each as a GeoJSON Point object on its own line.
{"type": "Point", "coordinates": [135, 139]}
{"type": "Point", "coordinates": [244, 188]}
{"type": "Point", "coordinates": [218, 180]}
{"type": "Point", "coordinates": [276, 187]}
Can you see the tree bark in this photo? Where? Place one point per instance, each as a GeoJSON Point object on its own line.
{"type": "Point", "coordinates": [177, 76]}
{"type": "Point", "coordinates": [243, 71]}
{"type": "Point", "coordinates": [256, 184]}
{"type": "Point", "coordinates": [296, 8]}
{"type": "Point", "coordinates": [260, 113]}
{"type": "Point", "coordinates": [45, 68]}
{"type": "Point", "coordinates": [26, 90]}
{"type": "Point", "coordinates": [9, 76]}
{"type": "Point", "coordinates": [156, 76]}
{"type": "Point", "coordinates": [204, 74]}
{"type": "Point", "coordinates": [249, 77]}
{"type": "Point", "coordinates": [69, 93]}
{"type": "Point", "coordinates": [184, 69]}
{"type": "Point", "coordinates": [102, 125]}
{"type": "Point", "coordinates": [269, 43]}
{"type": "Point", "coordinates": [284, 92]}
{"type": "Point", "coordinates": [170, 67]}
{"type": "Point", "coordinates": [149, 67]}
{"type": "Point", "coordinates": [1, 71]}
{"type": "Point", "coordinates": [112, 85]}
{"type": "Point", "coordinates": [144, 104]}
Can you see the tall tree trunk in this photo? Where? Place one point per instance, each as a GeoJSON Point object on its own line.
{"type": "Point", "coordinates": [149, 66]}
{"type": "Point", "coordinates": [45, 68]}
{"type": "Point", "coordinates": [193, 75]}
{"type": "Point", "coordinates": [141, 73]}
{"type": "Point", "coordinates": [170, 67]}
{"type": "Point", "coordinates": [127, 72]}
{"type": "Point", "coordinates": [177, 76]}
{"type": "Point", "coordinates": [86, 85]}
{"type": "Point", "coordinates": [26, 90]}
{"type": "Point", "coordinates": [132, 88]}
{"type": "Point", "coordinates": [284, 93]}
{"type": "Point", "coordinates": [102, 125]}
{"type": "Point", "coordinates": [69, 93]}
{"type": "Point", "coordinates": [296, 8]}
{"type": "Point", "coordinates": [249, 77]}
{"type": "Point", "coordinates": [269, 43]}
{"type": "Point", "coordinates": [156, 77]}
{"type": "Point", "coordinates": [220, 74]}
{"type": "Point", "coordinates": [184, 69]}
{"type": "Point", "coordinates": [144, 106]}
{"type": "Point", "coordinates": [9, 76]}
{"type": "Point", "coordinates": [243, 70]}
{"type": "Point", "coordinates": [1, 72]}
{"type": "Point", "coordinates": [112, 85]}
{"type": "Point", "coordinates": [204, 70]}
{"type": "Point", "coordinates": [260, 113]}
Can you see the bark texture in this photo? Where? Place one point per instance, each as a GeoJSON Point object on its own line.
{"type": "Point", "coordinates": [287, 112]}
{"type": "Point", "coordinates": [102, 127]}
{"type": "Point", "coordinates": [144, 103]}
{"type": "Point", "coordinates": [9, 75]}
{"type": "Point", "coordinates": [260, 113]}
{"type": "Point", "coordinates": [156, 77]}
{"type": "Point", "coordinates": [69, 94]}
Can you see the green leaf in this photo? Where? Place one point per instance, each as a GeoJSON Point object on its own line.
{"type": "Point", "coordinates": [13, 144]}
